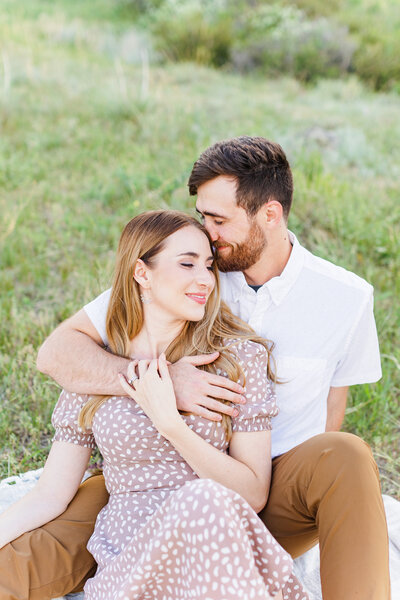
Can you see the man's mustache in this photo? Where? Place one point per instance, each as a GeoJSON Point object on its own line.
{"type": "Point", "coordinates": [221, 245]}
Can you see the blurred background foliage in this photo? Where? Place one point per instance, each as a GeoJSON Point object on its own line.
{"type": "Point", "coordinates": [305, 38]}
{"type": "Point", "coordinates": [106, 104]}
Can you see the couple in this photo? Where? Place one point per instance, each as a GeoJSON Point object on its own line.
{"type": "Point", "coordinates": [202, 474]}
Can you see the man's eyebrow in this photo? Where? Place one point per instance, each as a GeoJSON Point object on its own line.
{"type": "Point", "coordinates": [210, 214]}
{"type": "Point", "coordinates": [194, 254]}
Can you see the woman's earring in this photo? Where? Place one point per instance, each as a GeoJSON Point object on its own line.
{"type": "Point", "coordinates": [144, 299]}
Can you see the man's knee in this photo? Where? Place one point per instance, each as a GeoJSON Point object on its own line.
{"type": "Point", "coordinates": [346, 450]}
{"type": "Point", "coordinates": [344, 462]}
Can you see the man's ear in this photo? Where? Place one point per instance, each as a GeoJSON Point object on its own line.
{"type": "Point", "coordinates": [272, 214]}
{"type": "Point", "coordinates": [141, 274]}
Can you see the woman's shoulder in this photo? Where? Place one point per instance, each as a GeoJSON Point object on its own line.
{"type": "Point", "coordinates": [246, 350]}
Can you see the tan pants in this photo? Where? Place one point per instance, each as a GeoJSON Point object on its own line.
{"type": "Point", "coordinates": [326, 488]}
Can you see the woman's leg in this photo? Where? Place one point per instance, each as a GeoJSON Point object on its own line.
{"type": "Point", "coordinates": [52, 560]}
{"type": "Point", "coordinates": [204, 541]}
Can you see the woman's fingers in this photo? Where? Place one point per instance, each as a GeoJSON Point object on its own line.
{"type": "Point", "coordinates": [163, 367]}
{"type": "Point", "coordinates": [143, 365]}
{"type": "Point", "coordinates": [125, 385]}
{"type": "Point", "coordinates": [131, 370]}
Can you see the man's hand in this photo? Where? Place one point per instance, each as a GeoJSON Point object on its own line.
{"type": "Point", "coordinates": [198, 391]}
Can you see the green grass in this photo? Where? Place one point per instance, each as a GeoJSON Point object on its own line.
{"type": "Point", "coordinates": [86, 143]}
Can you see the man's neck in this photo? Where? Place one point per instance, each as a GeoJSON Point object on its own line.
{"type": "Point", "coordinates": [273, 260]}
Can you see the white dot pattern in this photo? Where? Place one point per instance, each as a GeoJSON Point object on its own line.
{"type": "Point", "coordinates": [165, 534]}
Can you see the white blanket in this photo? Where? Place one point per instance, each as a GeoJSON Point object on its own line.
{"type": "Point", "coordinates": [307, 566]}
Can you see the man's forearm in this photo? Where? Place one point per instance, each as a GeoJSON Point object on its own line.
{"type": "Point", "coordinates": [336, 406]}
{"type": "Point", "coordinates": [79, 364]}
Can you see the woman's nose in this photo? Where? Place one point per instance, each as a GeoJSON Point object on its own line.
{"type": "Point", "coordinates": [205, 277]}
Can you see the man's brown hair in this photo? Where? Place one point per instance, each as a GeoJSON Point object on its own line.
{"type": "Point", "coordinates": [260, 167]}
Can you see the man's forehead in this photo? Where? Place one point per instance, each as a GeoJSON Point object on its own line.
{"type": "Point", "coordinates": [215, 204]}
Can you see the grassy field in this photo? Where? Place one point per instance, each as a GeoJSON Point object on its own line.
{"type": "Point", "coordinates": [91, 134]}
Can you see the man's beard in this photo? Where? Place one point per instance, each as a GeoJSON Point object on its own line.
{"type": "Point", "coordinates": [244, 255]}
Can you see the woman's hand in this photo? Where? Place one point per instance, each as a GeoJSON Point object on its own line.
{"type": "Point", "coordinates": [153, 391]}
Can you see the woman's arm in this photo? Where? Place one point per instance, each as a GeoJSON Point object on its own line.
{"type": "Point", "coordinates": [247, 467]}
{"type": "Point", "coordinates": [50, 497]}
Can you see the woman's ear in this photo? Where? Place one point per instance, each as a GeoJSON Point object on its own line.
{"type": "Point", "coordinates": [141, 274]}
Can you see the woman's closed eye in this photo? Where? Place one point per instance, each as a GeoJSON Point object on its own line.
{"type": "Point", "coordinates": [190, 265]}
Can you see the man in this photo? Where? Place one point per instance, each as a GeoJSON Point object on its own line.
{"type": "Point", "coordinates": [325, 484]}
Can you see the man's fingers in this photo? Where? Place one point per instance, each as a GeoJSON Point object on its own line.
{"type": "Point", "coordinates": [200, 411]}
{"type": "Point", "coordinates": [220, 407]}
{"type": "Point", "coordinates": [223, 394]}
{"type": "Point", "coordinates": [201, 359]}
{"type": "Point", "coordinates": [223, 382]}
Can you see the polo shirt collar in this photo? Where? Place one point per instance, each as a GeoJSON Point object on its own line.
{"type": "Point", "coordinates": [277, 287]}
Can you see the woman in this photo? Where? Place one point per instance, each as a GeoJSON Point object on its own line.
{"type": "Point", "coordinates": [181, 520]}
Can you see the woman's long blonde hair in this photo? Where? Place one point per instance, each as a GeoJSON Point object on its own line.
{"type": "Point", "coordinates": [219, 330]}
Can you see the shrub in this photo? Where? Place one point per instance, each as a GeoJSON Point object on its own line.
{"type": "Point", "coordinates": [276, 39]}
{"type": "Point", "coordinates": [378, 61]}
{"type": "Point", "coordinates": [188, 30]}
{"type": "Point", "coordinates": [301, 38]}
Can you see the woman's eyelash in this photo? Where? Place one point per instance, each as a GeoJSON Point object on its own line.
{"type": "Point", "coordinates": [210, 268]}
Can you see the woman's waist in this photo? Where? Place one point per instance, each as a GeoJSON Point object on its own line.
{"type": "Point", "coordinates": [135, 478]}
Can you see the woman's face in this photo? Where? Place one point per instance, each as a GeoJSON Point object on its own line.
{"type": "Point", "coordinates": [181, 279]}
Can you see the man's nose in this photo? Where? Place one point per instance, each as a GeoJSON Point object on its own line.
{"type": "Point", "coordinates": [213, 231]}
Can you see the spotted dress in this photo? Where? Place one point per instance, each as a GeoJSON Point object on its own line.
{"type": "Point", "coordinates": [166, 534]}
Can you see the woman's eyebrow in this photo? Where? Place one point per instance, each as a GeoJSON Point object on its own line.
{"type": "Point", "coordinates": [194, 254]}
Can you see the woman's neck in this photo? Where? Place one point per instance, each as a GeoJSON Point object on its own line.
{"type": "Point", "coordinates": [155, 336]}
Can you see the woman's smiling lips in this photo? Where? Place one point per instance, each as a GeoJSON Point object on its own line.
{"type": "Point", "coordinates": [199, 298]}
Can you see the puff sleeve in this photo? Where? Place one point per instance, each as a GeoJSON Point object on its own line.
{"type": "Point", "coordinates": [65, 420]}
{"type": "Point", "coordinates": [260, 405]}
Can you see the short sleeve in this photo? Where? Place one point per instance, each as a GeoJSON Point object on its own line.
{"type": "Point", "coordinates": [96, 310]}
{"type": "Point", "coordinates": [65, 421]}
{"type": "Point", "coordinates": [260, 405]}
{"type": "Point", "coordinates": [360, 362]}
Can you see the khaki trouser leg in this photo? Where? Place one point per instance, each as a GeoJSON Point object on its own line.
{"type": "Point", "coordinates": [52, 561]}
{"type": "Point", "coordinates": [328, 488]}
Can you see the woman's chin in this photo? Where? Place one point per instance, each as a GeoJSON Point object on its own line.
{"type": "Point", "coordinates": [194, 315]}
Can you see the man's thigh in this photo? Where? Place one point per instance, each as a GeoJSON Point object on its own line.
{"type": "Point", "coordinates": [320, 469]}
{"type": "Point", "coordinates": [285, 514]}
{"type": "Point", "coordinates": [52, 560]}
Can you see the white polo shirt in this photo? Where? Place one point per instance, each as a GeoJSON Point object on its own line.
{"type": "Point", "coordinates": [320, 318]}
